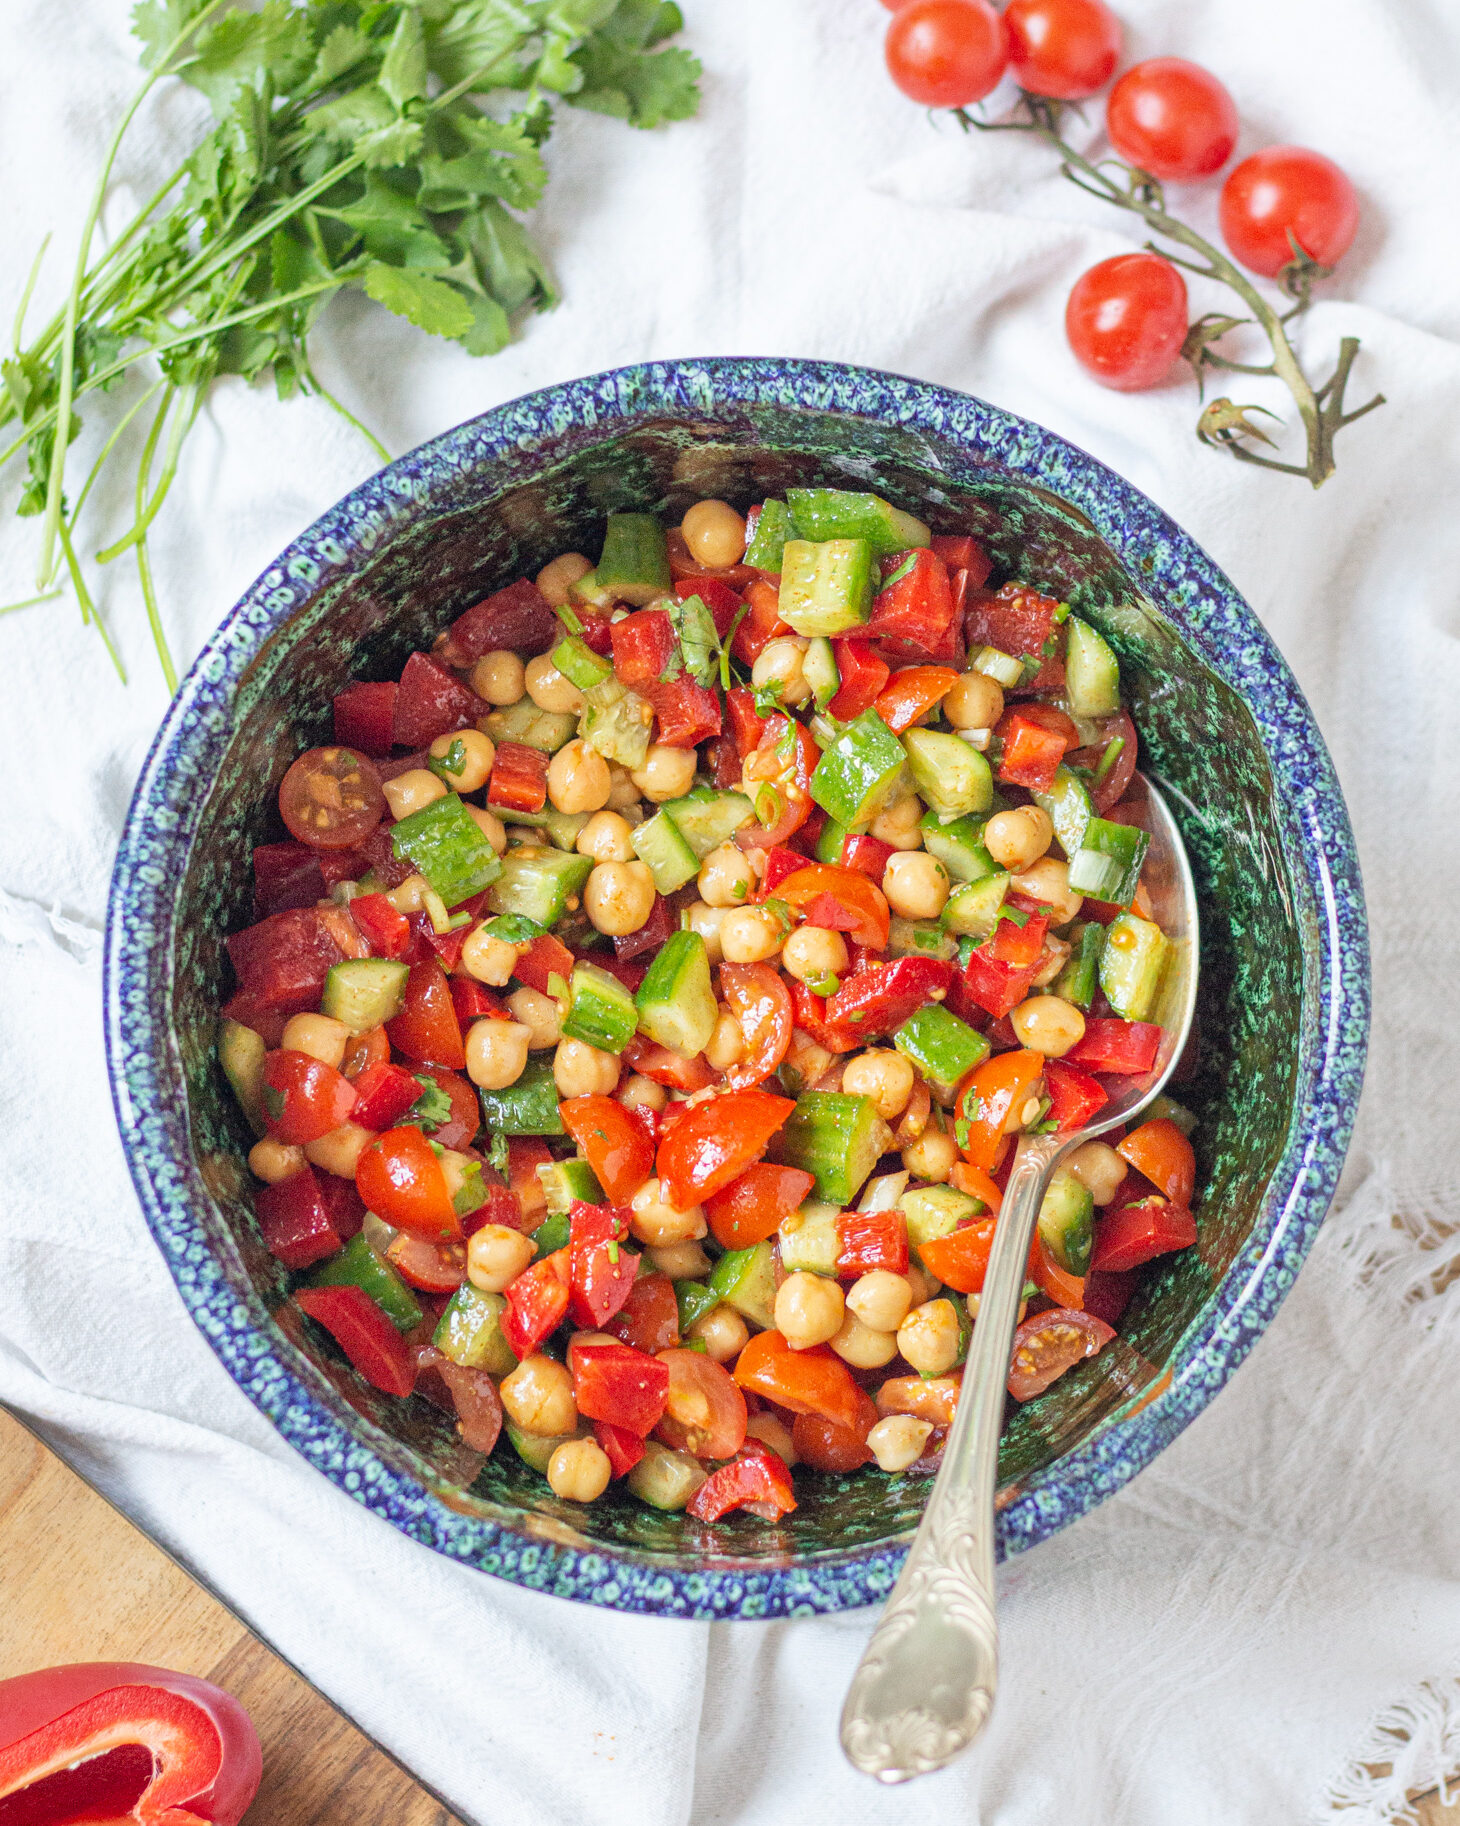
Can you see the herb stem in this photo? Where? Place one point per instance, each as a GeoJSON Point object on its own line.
{"type": "Point", "coordinates": [349, 417]}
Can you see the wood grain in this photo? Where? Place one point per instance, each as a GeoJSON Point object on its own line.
{"type": "Point", "coordinates": [81, 1583]}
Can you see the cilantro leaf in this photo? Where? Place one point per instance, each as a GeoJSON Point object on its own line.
{"type": "Point", "coordinates": [423, 301]}
{"type": "Point", "coordinates": [515, 928]}
{"type": "Point", "coordinates": [430, 1109]}
{"type": "Point", "coordinates": [623, 77]}
{"type": "Point", "coordinates": [498, 1156]}
{"type": "Point", "coordinates": [694, 627]}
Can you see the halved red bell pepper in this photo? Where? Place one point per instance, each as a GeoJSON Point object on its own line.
{"type": "Point", "coordinates": [365, 718]}
{"type": "Point", "coordinates": [517, 618]}
{"type": "Point", "coordinates": [431, 701]}
{"type": "Point", "coordinates": [751, 1207]}
{"type": "Point", "coordinates": [643, 646]}
{"type": "Point", "coordinates": [363, 1333]}
{"type": "Point", "coordinates": [871, 1239]}
{"type": "Point", "coordinates": [842, 899]}
{"type": "Point", "coordinates": [295, 1221]}
{"type": "Point", "coordinates": [960, 1260]}
{"type": "Point", "coordinates": [386, 931]}
{"type": "Point", "coordinates": [114, 1740]}
{"type": "Point", "coordinates": [1137, 1233]}
{"type": "Point", "coordinates": [649, 1318]}
{"type": "Point", "coordinates": [303, 1098]}
{"type": "Point", "coordinates": [911, 693]}
{"type": "Point", "coordinates": [962, 552]}
{"type": "Point", "coordinates": [519, 778]}
{"type": "Point", "coordinates": [537, 1303]}
{"type": "Point", "coordinates": [544, 958]}
{"type": "Point", "coordinates": [1015, 619]}
{"type": "Point", "coordinates": [616, 1383]}
{"type": "Point", "coordinates": [383, 1094]}
{"type": "Point", "coordinates": [913, 616]}
{"type": "Point", "coordinates": [615, 1145]}
{"type": "Point", "coordinates": [813, 1381]}
{"type": "Point", "coordinates": [756, 1479]}
{"type": "Point", "coordinates": [762, 622]}
{"type": "Point", "coordinates": [878, 998]}
{"type": "Point", "coordinates": [1032, 753]}
{"type": "Point", "coordinates": [1074, 1096]}
{"type": "Point", "coordinates": [602, 1270]}
{"type": "Point", "coordinates": [285, 876]}
{"type": "Point", "coordinates": [863, 675]}
{"type": "Point", "coordinates": [715, 1142]}
{"type": "Point", "coordinates": [624, 1448]}
{"type": "Point", "coordinates": [1112, 1045]}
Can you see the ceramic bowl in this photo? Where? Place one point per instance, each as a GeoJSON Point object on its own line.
{"type": "Point", "coordinates": [1284, 1006]}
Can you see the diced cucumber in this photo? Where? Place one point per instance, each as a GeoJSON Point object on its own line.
{"type": "Point", "coordinates": [819, 669]}
{"type": "Point", "coordinates": [365, 992]}
{"type": "Point", "coordinates": [1132, 964]}
{"type": "Point", "coordinates": [241, 1054]}
{"type": "Point", "coordinates": [360, 1264]}
{"type": "Point", "coordinates": [1003, 668]}
{"type": "Point", "coordinates": [694, 1300]}
{"type": "Point", "coordinates": [589, 590]}
{"type": "Point", "coordinates": [665, 1479]}
{"type": "Point", "coordinates": [809, 1241]}
{"type": "Point", "coordinates": [826, 588]}
{"type": "Point", "coordinates": [835, 1138]}
{"type": "Point", "coordinates": [944, 1048]}
{"type": "Point", "coordinates": [958, 845]}
{"type": "Point", "coordinates": [528, 1107]}
{"type": "Point", "coordinates": [1108, 862]}
{"type": "Point", "coordinates": [562, 828]}
{"type": "Point", "coordinates": [469, 1332]}
{"type": "Point", "coordinates": [973, 910]}
{"type": "Point", "coordinates": [616, 722]}
{"type": "Point", "coordinates": [951, 776]}
{"type": "Point", "coordinates": [536, 1449]}
{"type": "Point", "coordinates": [565, 1181]}
{"type": "Point", "coordinates": [934, 1211]}
{"type": "Point", "coordinates": [773, 527]}
{"type": "Point", "coordinates": [829, 843]}
{"type": "Point", "coordinates": [600, 1010]}
{"type": "Point", "coordinates": [449, 848]}
{"type": "Point", "coordinates": [634, 567]}
{"type": "Point", "coordinates": [1076, 982]}
{"type": "Point", "coordinates": [1067, 1222]}
{"type": "Point", "coordinates": [545, 730]}
{"type": "Point", "coordinates": [552, 1234]}
{"type": "Point", "coordinates": [861, 771]}
{"type": "Point", "coordinates": [1164, 1108]}
{"type": "Point", "coordinates": [845, 513]}
{"type": "Point", "coordinates": [538, 882]}
{"type": "Point", "coordinates": [746, 1280]}
{"type": "Point", "coordinates": [1092, 673]}
{"type": "Point", "coordinates": [676, 1000]}
{"type": "Point", "coordinates": [660, 846]}
{"type": "Point", "coordinates": [1070, 809]}
{"type": "Point", "coordinates": [706, 818]}
{"type": "Point", "coordinates": [919, 938]}
{"type": "Point", "coordinates": [579, 664]}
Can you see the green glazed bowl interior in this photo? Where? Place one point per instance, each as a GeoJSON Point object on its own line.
{"type": "Point", "coordinates": [1283, 1009]}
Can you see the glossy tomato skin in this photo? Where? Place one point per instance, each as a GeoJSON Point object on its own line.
{"type": "Point", "coordinates": [758, 998]}
{"type": "Point", "coordinates": [842, 899]}
{"type": "Point", "coordinates": [711, 1144]}
{"type": "Point", "coordinates": [303, 1098]}
{"type": "Point", "coordinates": [1283, 191]}
{"type": "Point", "coordinates": [779, 783]}
{"type": "Point", "coordinates": [612, 1141]}
{"type": "Point", "coordinates": [813, 1381]}
{"type": "Point", "coordinates": [401, 1180]}
{"type": "Point", "coordinates": [1126, 320]}
{"type": "Point", "coordinates": [828, 1445]}
{"type": "Point", "coordinates": [331, 798]}
{"type": "Point", "coordinates": [649, 1318]}
{"type": "Point", "coordinates": [1065, 49]}
{"type": "Point", "coordinates": [752, 1206]}
{"type": "Point", "coordinates": [704, 1411]}
{"type": "Point", "coordinates": [427, 1028]}
{"type": "Point", "coordinates": [947, 53]}
{"type": "Point", "coordinates": [1049, 1343]}
{"type": "Point", "coordinates": [1161, 1153]}
{"type": "Point", "coordinates": [1172, 118]}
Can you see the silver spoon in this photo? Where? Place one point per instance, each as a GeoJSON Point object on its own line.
{"type": "Point", "coordinates": [925, 1684]}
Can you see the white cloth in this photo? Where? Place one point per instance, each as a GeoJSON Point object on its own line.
{"type": "Point", "coordinates": [1228, 1637]}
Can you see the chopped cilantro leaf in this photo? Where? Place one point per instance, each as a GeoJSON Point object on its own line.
{"type": "Point", "coordinates": [515, 928]}
{"type": "Point", "coordinates": [694, 627]}
{"type": "Point", "coordinates": [451, 765]}
{"type": "Point", "coordinates": [498, 1156]}
{"type": "Point", "coordinates": [431, 1108]}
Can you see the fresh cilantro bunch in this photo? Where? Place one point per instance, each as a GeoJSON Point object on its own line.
{"type": "Point", "coordinates": [389, 145]}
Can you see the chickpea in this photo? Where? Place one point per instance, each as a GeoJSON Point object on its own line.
{"type": "Point", "coordinates": [606, 837]}
{"type": "Point", "coordinates": [1049, 880]}
{"type": "Point", "coordinates": [478, 751]}
{"type": "Point", "coordinates": [860, 1346]}
{"type": "Point", "coordinates": [685, 1261]}
{"type": "Point", "coordinates": [932, 1156]}
{"type": "Point", "coordinates": [623, 795]}
{"type": "Point", "coordinates": [275, 1161]}
{"type": "Point", "coordinates": [655, 1222]}
{"type": "Point", "coordinates": [885, 1077]}
{"type": "Point", "coordinates": [780, 663]}
{"type": "Point", "coordinates": [319, 1036]}
{"type": "Point", "coordinates": [639, 1093]}
{"type": "Point", "coordinates": [581, 1070]}
{"type": "Point", "coordinates": [339, 1151]}
{"type": "Point", "coordinates": [496, 1053]}
{"type": "Point", "coordinates": [727, 1043]}
{"type": "Point", "coordinates": [922, 1284]}
{"type": "Point", "coordinates": [725, 878]}
{"type": "Point", "coordinates": [667, 773]}
{"type": "Point", "coordinates": [809, 1310]}
{"type": "Point", "coordinates": [538, 1397]}
{"type": "Point", "coordinates": [1048, 1024]}
{"type": "Point", "coordinates": [707, 922]}
{"type": "Point", "coordinates": [1017, 839]}
{"type": "Point", "coordinates": [916, 884]}
{"type": "Point", "coordinates": [715, 534]}
{"type": "Point", "coordinates": [411, 791]}
{"type": "Point", "coordinates": [408, 897]}
{"type": "Point", "coordinates": [1096, 1165]}
{"type": "Point", "coordinates": [487, 958]}
{"type": "Point", "coordinates": [897, 1441]}
{"type": "Point", "coordinates": [897, 824]}
{"type": "Point", "coordinates": [1052, 960]}
{"type": "Point", "coordinates": [929, 1336]}
{"type": "Point", "coordinates": [975, 702]}
{"type": "Point", "coordinates": [555, 580]}
{"type": "Point", "coordinates": [579, 1470]}
{"type": "Point", "coordinates": [881, 1299]}
{"type": "Point", "coordinates": [813, 952]}
{"type": "Point", "coordinates": [495, 1256]}
{"type": "Point", "coordinates": [549, 690]}
{"type": "Point", "coordinates": [772, 1431]}
{"type": "Point", "coordinates": [749, 935]}
{"type": "Point", "coordinates": [490, 825]}
{"type": "Point", "coordinates": [578, 778]}
{"type": "Point", "coordinates": [722, 1331]}
{"type": "Point", "coordinates": [619, 897]}
{"type": "Point", "coordinates": [499, 678]}
{"type": "Point", "coordinates": [539, 1014]}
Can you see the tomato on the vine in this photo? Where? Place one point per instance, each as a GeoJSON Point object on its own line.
{"type": "Point", "coordinates": [1172, 118]}
{"type": "Point", "coordinates": [947, 53]}
{"type": "Point", "coordinates": [1065, 49]}
{"type": "Point", "coordinates": [1283, 192]}
{"type": "Point", "coordinates": [1126, 320]}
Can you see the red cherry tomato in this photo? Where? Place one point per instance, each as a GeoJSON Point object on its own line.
{"type": "Point", "coordinates": [1161, 1153]}
{"type": "Point", "coordinates": [1282, 192]}
{"type": "Point", "coordinates": [827, 1445]}
{"type": "Point", "coordinates": [427, 1029]}
{"type": "Point", "coordinates": [704, 1412]}
{"type": "Point", "coordinates": [433, 1267]}
{"type": "Point", "coordinates": [758, 998]}
{"type": "Point", "coordinates": [401, 1180]}
{"type": "Point", "coordinates": [947, 53]}
{"type": "Point", "coordinates": [843, 899]}
{"type": "Point", "coordinates": [1062, 48]}
{"type": "Point", "coordinates": [649, 1318]}
{"type": "Point", "coordinates": [478, 1405]}
{"type": "Point", "coordinates": [331, 798]}
{"type": "Point", "coordinates": [751, 1208]}
{"type": "Point", "coordinates": [303, 1097]}
{"type": "Point", "coordinates": [813, 1381]}
{"type": "Point", "coordinates": [1126, 320]}
{"type": "Point", "coordinates": [1111, 790]}
{"type": "Point", "coordinates": [778, 778]}
{"type": "Point", "coordinates": [715, 1142]}
{"type": "Point", "coordinates": [1172, 118]}
{"type": "Point", "coordinates": [1048, 1344]}
{"type": "Point", "coordinates": [614, 1143]}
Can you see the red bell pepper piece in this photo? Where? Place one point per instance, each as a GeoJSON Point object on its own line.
{"type": "Point", "coordinates": [519, 778]}
{"type": "Point", "coordinates": [624, 1448]}
{"type": "Point", "coordinates": [1016, 620]}
{"type": "Point", "coordinates": [303, 1098]}
{"type": "Point", "coordinates": [426, 1028]}
{"type": "Point", "coordinates": [649, 1318]}
{"type": "Point", "coordinates": [747, 725]}
{"type": "Point", "coordinates": [431, 701]}
{"type": "Point", "coordinates": [1032, 752]}
{"type": "Point", "coordinates": [871, 1239]}
{"type": "Point", "coordinates": [537, 1303]}
{"type": "Point", "coordinates": [286, 875]}
{"type": "Point", "coordinates": [718, 592]}
{"type": "Point", "coordinates": [652, 936]}
{"type": "Point", "coordinates": [761, 625]}
{"type": "Point", "coordinates": [544, 958]}
{"type": "Point", "coordinates": [863, 674]}
{"type": "Point", "coordinates": [1015, 945]}
{"type": "Point", "coordinates": [283, 960]}
{"type": "Point", "coordinates": [616, 1383]}
{"type": "Point", "coordinates": [686, 713]}
{"type": "Point", "coordinates": [602, 1270]}
{"type": "Point", "coordinates": [1111, 1045]}
{"type": "Point", "coordinates": [1136, 1233]}
{"type": "Point", "coordinates": [295, 1222]}
{"type": "Point", "coordinates": [813, 1381]}
{"type": "Point", "coordinates": [643, 646]}
{"type": "Point", "coordinates": [878, 998]}
{"type": "Point", "coordinates": [473, 1002]}
{"type": "Point", "coordinates": [715, 1142]}
{"type": "Point", "coordinates": [866, 854]}
{"type": "Point", "coordinates": [779, 863]}
{"type": "Point", "coordinates": [617, 1147]}
{"type": "Point", "coordinates": [518, 617]}
{"type": "Point", "coordinates": [363, 1333]}
{"type": "Point", "coordinates": [365, 718]}
{"type": "Point", "coordinates": [912, 693]}
{"type": "Point", "coordinates": [113, 1740]}
{"type": "Point", "coordinates": [751, 1207]}
{"type": "Point", "coordinates": [756, 1478]}
{"type": "Point", "coordinates": [384, 929]}
{"type": "Point", "coordinates": [962, 552]}
{"type": "Point", "coordinates": [996, 987]}
{"type": "Point", "coordinates": [383, 1094]}
{"type": "Point", "coordinates": [667, 1067]}
{"type": "Point", "coordinates": [842, 900]}
{"type": "Point", "coordinates": [1074, 1096]}
{"type": "Point", "coordinates": [809, 1013]}
{"type": "Point", "coordinates": [913, 617]}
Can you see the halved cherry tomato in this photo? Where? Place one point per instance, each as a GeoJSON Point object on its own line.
{"type": "Point", "coordinates": [1049, 1343]}
{"type": "Point", "coordinates": [537, 1303]}
{"type": "Point", "coordinates": [827, 1445]}
{"type": "Point", "coordinates": [401, 1180]}
{"type": "Point", "coordinates": [751, 1207]}
{"type": "Point", "coordinates": [364, 1050]}
{"type": "Point", "coordinates": [704, 1412]}
{"type": "Point", "coordinates": [758, 998]}
{"type": "Point", "coordinates": [614, 1144]}
{"type": "Point", "coordinates": [477, 1403]}
{"type": "Point", "coordinates": [762, 622]}
{"type": "Point", "coordinates": [303, 1098]}
{"type": "Point", "coordinates": [961, 1259]}
{"type": "Point", "coordinates": [913, 692]}
{"type": "Point", "coordinates": [1137, 1233]}
{"type": "Point", "coordinates": [843, 899]}
{"type": "Point", "coordinates": [364, 1334]}
{"type": "Point", "coordinates": [1112, 787]}
{"type": "Point", "coordinates": [331, 798]}
{"type": "Point", "coordinates": [715, 1142]}
{"type": "Point", "coordinates": [756, 1479]}
{"type": "Point", "coordinates": [525, 1154]}
{"type": "Point", "coordinates": [665, 1066]}
{"type": "Point", "coordinates": [991, 1095]}
{"type": "Point", "coordinates": [932, 1398]}
{"type": "Point", "coordinates": [813, 1381]}
{"type": "Point", "coordinates": [1160, 1151]}
{"type": "Point", "coordinates": [433, 1267]}
{"type": "Point", "coordinates": [778, 780]}
{"type": "Point", "coordinates": [1065, 1289]}
{"type": "Point", "coordinates": [602, 1270]}
{"type": "Point", "coordinates": [976, 1183]}
{"type": "Point", "coordinates": [649, 1318]}
{"type": "Point", "coordinates": [426, 1029]}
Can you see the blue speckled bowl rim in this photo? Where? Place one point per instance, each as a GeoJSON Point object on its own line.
{"type": "Point", "coordinates": [163, 818]}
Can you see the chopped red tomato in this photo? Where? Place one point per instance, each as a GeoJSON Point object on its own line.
{"type": "Point", "coordinates": [426, 1027]}
{"type": "Point", "coordinates": [912, 693]}
{"type": "Point", "coordinates": [519, 778]}
{"type": "Point", "coordinates": [537, 1303]}
{"type": "Point", "coordinates": [757, 997]}
{"type": "Point", "coordinates": [667, 1067]}
{"type": "Point", "coordinates": [643, 646]}
{"type": "Point", "coordinates": [756, 1479]}
{"type": "Point", "coordinates": [472, 1000]}
{"type": "Point", "coordinates": [362, 1050]}
{"type": "Point", "coordinates": [810, 1015]}
{"type": "Point", "coordinates": [912, 614]}
{"type": "Point", "coordinates": [1032, 753]}
{"type": "Point", "coordinates": [365, 718]}
{"type": "Point", "coordinates": [960, 1260]}
{"type": "Point", "coordinates": [1015, 619]}
{"type": "Point", "coordinates": [686, 713]}
{"type": "Point", "coordinates": [842, 899]}
{"type": "Point", "coordinates": [827, 1445]}
{"type": "Point", "coordinates": [704, 1411]}
{"type": "Point", "coordinates": [431, 701]}
{"type": "Point", "coordinates": [364, 1334]}
{"type": "Point", "coordinates": [1158, 1150]}
{"type": "Point", "coordinates": [863, 674]}
{"type": "Point", "coordinates": [994, 1094]}
{"type": "Point", "coordinates": [778, 780]}
{"type": "Point", "coordinates": [1107, 1295]}
{"type": "Point", "coordinates": [295, 1220]}
{"type": "Point", "coordinates": [649, 1318]}
{"type": "Point", "coordinates": [1048, 1344]}
{"type": "Point", "coordinates": [780, 863]}
{"type": "Point", "coordinates": [616, 1383]}
{"type": "Point", "coordinates": [1074, 1096]}
{"type": "Point", "coordinates": [303, 1098]}
{"type": "Point", "coordinates": [762, 622]}
{"type": "Point", "coordinates": [1064, 1288]}
{"type": "Point", "coordinates": [871, 1239]}
{"type": "Point", "coordinates": [383, 1094]}
{"type": "Point", "coordinates": [602, 1270]}
{"type": "Point", "coordinates": [624, 1448]}
{"type": "Point", "coordinates": [400, 1179]}
{"type": "Point", "coordinates": [878, 998]}
{"type": "Point", "coordinates": [612, 1142]}
{"type": "Point", "coordinates": [1136, 1233]}
{"type": "Point", "coordinates": [387, 932]}
{"type": "Point", "coordinates": [433, 1267]}
{"type": "Point", "coordinates": [962, 552]}
{"type": "Point", "coordinates": [813, 1381]}
{"type": "Point", "coordinates": [751, 1207]}
{"type": "Point", "coordinates": [544, 958]}
{"type": "Point", "coordinates": [715, 1142]}
{"type": "Point", "coordinates": [1111, 1045]}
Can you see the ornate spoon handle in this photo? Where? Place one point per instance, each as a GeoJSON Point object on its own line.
{"type": "Point", "coordinates": [926, 1682]}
